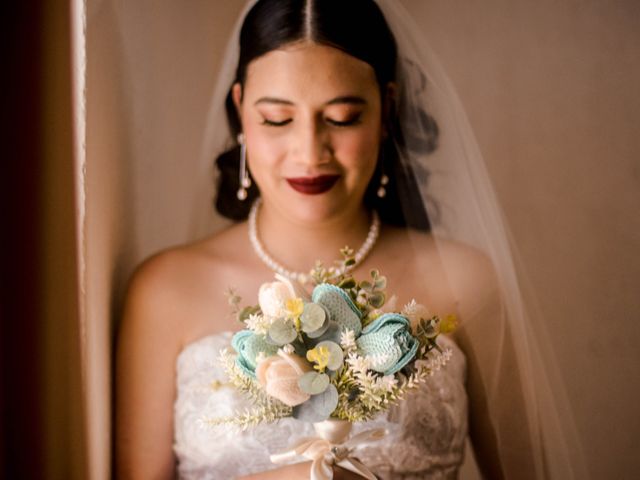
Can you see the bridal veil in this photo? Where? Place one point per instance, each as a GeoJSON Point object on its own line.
{"type": "Point", "coordinates": [513, 363]}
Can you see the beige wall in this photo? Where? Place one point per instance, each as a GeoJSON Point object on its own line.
{"type": "Point", "coordinates": [551, 91]}
{"type": "Point", "coordinates": [144, 128]}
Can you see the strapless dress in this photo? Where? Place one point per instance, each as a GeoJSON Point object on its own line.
{"type": "Point", "coordinates": [425, 440]}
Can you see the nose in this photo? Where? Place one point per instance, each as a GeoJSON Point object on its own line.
{"type": "Point", "coordinates": [312, 143]}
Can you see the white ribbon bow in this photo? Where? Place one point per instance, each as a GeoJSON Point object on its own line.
{"type": "Point", "coordinates": [324, 454]}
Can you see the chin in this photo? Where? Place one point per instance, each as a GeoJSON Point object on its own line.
{"type": "Point", "coordinates": [315, 208]}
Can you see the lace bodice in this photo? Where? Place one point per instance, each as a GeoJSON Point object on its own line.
{"type": "Point", "coordinates": [426, 432]}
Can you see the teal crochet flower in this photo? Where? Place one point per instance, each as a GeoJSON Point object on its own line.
{"type": "Point", "coordinates": [249, 345]}
{"type": "Point", "coordinates": [388, 339]}
{"type": "Point", "coordinates": [339, 305]}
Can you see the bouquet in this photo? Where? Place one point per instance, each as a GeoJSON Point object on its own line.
{"type": "Point", "coordinates": [331, 357]}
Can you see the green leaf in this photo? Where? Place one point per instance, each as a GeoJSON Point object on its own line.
{"type": "Point", "coordinates": [318, 407]}
{"type": "Point", "coordinates": [377, 300]}
{"type": "Point", "coordinates": [306, 413]}
{"type": "Point", "coordinates": [336, 356]}
{"type": "Point", "coordinates": [347, 283]}
{"type": "Point", "coordinates": [247, 311]}
{"type": "Point", "coordinates": [364, 285]}
{"type": "Point", "coordinates": [330, 331]}
{"type": "Point", "coordinates": [282, 331]}
{"type": "Point", "coordinates": [430, 328]}
{"type": "Point", "coordinates": [326, 402]}
{"type": "Point", "coordinates": [349, 262]}
{"type": "Point", "coordinates": [313, 317]}
{"type": "Point", "coordinates": [313, 383]}
{"type": "Point", "coordinates": [321, 331]}
{"type": "Point", "coordinates": [299, 348]}
{"type": "Point", "coordinates": [381, 283]}
{"type": "Point", "coordinates": [346, 251]}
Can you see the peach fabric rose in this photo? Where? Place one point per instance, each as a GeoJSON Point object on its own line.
{"type": "Point", "coordinates": [279, 376]}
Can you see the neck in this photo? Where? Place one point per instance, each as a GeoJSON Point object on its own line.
{"type": "Point", "coordinates": [297, 245]}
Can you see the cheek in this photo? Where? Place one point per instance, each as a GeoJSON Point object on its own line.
{"type": "Point", "coordinates": [359, 154]}
{"type": "Point", "coordinates": [263, 151]}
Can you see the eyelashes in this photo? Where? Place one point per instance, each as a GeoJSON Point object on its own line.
{"type": "Point", "coordinates": [344, 123]}
{"type": "Point", "coordinates": [336, 123]}
{"type": "Point", "coordinates": [271, 123]}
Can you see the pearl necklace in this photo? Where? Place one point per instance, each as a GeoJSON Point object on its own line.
{"type": "Point", "coordinates": [269, 261]}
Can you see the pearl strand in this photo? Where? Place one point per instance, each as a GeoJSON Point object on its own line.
{"type": "Point", "coordinates": [269, 261]}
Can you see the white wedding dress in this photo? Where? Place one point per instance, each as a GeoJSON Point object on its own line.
{"type": "Point", "coordinates": [426, 432]}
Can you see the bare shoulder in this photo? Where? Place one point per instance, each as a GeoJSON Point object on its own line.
{"type": "Point", "coordinates": [472, 280]}
{"type": "Point", "coordinates": [174, 298]}
{"type": "Point", "coordinates": [180, 269]}
{"type": "Point", "coordinates": [469, 268]}
{"type": "Point", "coordinates": [181, 289]}
{"type": "Point", "coordinates": [453, 273]}
{"type": "Point", "coordinates": [464, 260]}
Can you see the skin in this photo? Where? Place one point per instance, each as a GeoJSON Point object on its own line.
{"type": "Point", "coordinates": [177, 296]}
{"type": "Point", "coordinates": [319, 113]}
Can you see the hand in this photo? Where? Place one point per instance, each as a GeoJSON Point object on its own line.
{"type": "Point", "coordinates": [297, 471]}
{"type": "Point", "coordinates": [300, 471]}
{"type": "Point", "coordinates": [340, 473]}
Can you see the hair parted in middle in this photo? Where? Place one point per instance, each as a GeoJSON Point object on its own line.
{"type": "Point", "coordinates": [272, 24]}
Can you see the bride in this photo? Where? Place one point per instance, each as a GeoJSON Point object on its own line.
{"type": "Point", "coordinates": [346, 134]}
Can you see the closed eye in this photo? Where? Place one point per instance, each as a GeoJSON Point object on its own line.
{"type": "Point", "coordinates": [344, 123]}
{"type": "Point", "coordinates": [337, 123]}
{"type": "Point", "coordinates": [272, 123]}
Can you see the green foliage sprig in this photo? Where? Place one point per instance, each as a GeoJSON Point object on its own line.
{"type": "Point", "coordinates": [345, 383]}
{"type": "Point", "coordinates": [268, 409]}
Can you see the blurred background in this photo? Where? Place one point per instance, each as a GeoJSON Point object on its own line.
{"type": "Point", "coordinates": [105, 114]}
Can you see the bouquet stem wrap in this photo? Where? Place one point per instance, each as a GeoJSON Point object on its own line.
{"type": "Point", "coordinates": [330, 448]}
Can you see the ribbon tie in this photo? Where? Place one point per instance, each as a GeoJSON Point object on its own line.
{"type": "Point", "coordinates": [324, 454]}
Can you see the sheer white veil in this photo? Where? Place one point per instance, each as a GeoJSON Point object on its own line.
{"type": "Point", "coordinates": [513, 364]}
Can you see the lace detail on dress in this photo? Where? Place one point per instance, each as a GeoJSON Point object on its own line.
{"type": "Point", "coordinates": [426, 432]}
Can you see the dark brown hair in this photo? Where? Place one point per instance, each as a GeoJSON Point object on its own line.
{"type": "Point", "coordinates": [358, 28]}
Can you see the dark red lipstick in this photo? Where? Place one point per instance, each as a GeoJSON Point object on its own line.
{"type": "Point", "coordinates": [313, 185]}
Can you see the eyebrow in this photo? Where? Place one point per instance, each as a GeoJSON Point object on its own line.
{"type": "Point", "coordinates": [349, 99]}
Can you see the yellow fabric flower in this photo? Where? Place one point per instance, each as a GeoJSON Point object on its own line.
{"type": "Point", "coordinates": [449, 324]}
{"type": "Point", "coordinates": [319, 356]}
{"type": "Point", "coordinates": [294, 307]}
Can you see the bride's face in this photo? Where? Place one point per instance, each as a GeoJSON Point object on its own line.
{"type": "Point", "coordinates": [311, 116]}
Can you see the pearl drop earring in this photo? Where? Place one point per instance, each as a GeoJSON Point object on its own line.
{"type": "Point", "coordinates": [245, 181]}
{"type": "Point", "coordinates": [382, 191]}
